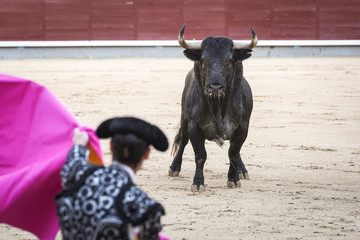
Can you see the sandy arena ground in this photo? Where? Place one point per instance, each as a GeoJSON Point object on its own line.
{"type": "Point", "coordinates": [302, 152]}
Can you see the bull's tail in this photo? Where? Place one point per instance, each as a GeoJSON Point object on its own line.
{"type": "Point", "coordinates": [176, 144]}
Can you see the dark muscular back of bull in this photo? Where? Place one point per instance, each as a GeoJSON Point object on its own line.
{"type": "Point", "coordinates": [216, 105]}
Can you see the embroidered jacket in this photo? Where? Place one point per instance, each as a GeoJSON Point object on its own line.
{"type": "Point", "coordinates": [103, 202]}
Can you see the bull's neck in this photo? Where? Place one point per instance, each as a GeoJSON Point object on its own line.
{"type": "Point", "coordinates": [217, 111]}
{"type": "Point", "coordinates": [218, 106]}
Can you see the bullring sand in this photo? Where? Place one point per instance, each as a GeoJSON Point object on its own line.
{"type": "Point", "coordinates": [302, 152]}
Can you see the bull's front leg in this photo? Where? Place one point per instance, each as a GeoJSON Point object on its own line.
{"type": "Point", "coordinates": [237, 167]}
{"type": "Point", "coordinates": [198, 143]}
{"type": "Point", "coordinates": [233, 175]}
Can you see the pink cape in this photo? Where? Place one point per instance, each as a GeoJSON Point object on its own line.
{"type": "Point", "coordinates": [36, 133]}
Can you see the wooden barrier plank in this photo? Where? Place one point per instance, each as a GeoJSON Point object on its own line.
{"type": "Point", "coordinates": [162, 19]}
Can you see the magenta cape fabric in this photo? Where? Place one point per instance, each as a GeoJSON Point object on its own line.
{"type": "Point", "coordinates": [36, 133]}
{"type": "Point", "coordinates": [162, 237]}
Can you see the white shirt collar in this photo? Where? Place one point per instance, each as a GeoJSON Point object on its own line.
{"type": "Point", "coordinates": [127, 169]}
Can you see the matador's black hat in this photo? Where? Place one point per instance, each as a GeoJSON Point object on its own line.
{"type": "Point", "coordinates": [151, 134]}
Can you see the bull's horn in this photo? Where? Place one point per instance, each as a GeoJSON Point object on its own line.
{"type": "Point", "coordinates": [184, 44]}
{"type": "Point", "coordinates": [251, 45]}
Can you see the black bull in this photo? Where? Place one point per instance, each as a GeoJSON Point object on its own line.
{"type": "Point", "coordinates": [216, 104]}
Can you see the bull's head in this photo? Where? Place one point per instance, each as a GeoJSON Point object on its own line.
{"type": "Point", "coordinates": [218, 60]}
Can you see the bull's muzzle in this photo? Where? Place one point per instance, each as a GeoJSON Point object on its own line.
{"type": "Point", "coordinates": [215, 91]}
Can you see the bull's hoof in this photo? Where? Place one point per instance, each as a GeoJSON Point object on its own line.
{"type": "Point", "coordinates": [173, 173]}
{"type": "Point", "coordinates": [233, 184]}
{"type": "Point", "coordinates": [197, 188]}
{"type": "Point", "coordinates": [244, 175]}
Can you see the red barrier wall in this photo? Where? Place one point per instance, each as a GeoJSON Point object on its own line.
{"type": "Point", "coordinates": [162, 19]}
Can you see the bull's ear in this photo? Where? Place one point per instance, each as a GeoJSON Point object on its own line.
{"type": "Point", "coordinates": [242, 54]}
{"type": "Point", "coordinates": [193, 54]}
